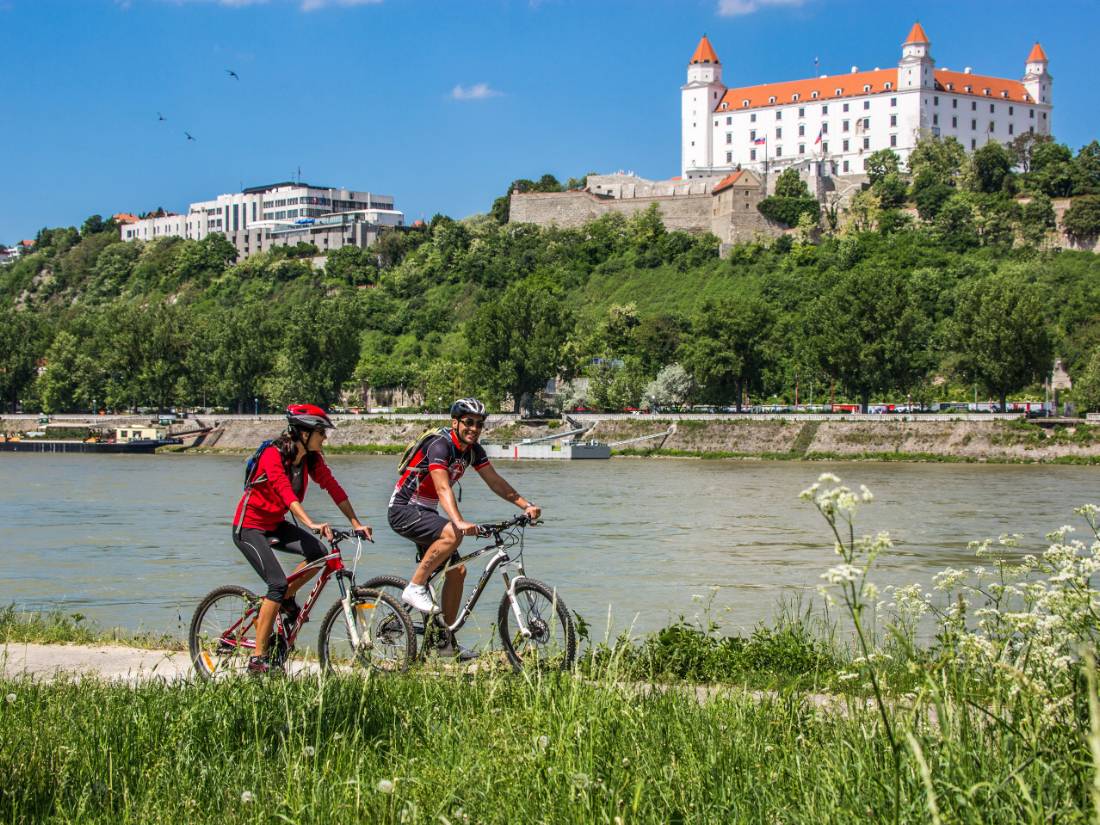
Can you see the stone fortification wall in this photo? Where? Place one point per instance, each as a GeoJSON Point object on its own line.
{"type": "Point", "coordinates": [1063, 240]}
{"type": "Point", "coordinates": [569, 210]}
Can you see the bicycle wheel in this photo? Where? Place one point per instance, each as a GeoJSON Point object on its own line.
{"type": "Point", "coordinates": [387, 641]}
{"type": "Point", "coordinates": [552, 643]}
{"type": "Point", "coordinates": [223, 632]}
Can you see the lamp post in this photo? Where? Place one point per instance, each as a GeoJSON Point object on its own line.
{"type": "Point", "coordinates": [256, 405]}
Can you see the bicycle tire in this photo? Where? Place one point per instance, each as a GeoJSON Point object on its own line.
{"type": "Point", "coordinates": [543, 650]}
{"type": "Point", "coordinates": [394, 586]}
{"type": "Point", "coordinates": [391, 634]}
{"type": "Point", "coordinates": [216, 647]}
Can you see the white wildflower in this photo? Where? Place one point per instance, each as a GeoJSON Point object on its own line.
{"type": "Point", "coordinates": [581, 781]}
{"type": "Point", "coordinates": [846, 677]}
{"type": "Point", "coordinates": [828, 478]}
{"type": "Point", "coordinates": [841, 573]}
{"type": "Point", "coordinates": [309, 750]}
{"type": "Point", "coordinates": [865, 494]}
{"type": "Point", "coordinates": [385, 786]}
{"type": "Point", "coordinates": [10, 698]}
{"type": "Point", "coordinates": [543, 742]}
{"type": "Point", "coordinates": [247, 796]}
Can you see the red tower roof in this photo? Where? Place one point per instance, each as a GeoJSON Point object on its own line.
{"type": "Point", "coordinates": [1037, 54]}
{"type": "Point", "coordinates": [704, 52]}
{"type": "Point", "coordinates": [916, 35]}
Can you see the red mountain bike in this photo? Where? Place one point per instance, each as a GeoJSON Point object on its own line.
{"type": "Point", "coordinates": [364, 629]}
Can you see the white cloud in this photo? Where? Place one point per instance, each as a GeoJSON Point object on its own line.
{"type": "Point", "coordinates": [734, 8]}
{"type": "Point", "coordinates": [479, 91]}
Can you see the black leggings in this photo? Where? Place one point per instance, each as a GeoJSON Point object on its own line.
{"type": "Point", "coordinates": [258, 545]}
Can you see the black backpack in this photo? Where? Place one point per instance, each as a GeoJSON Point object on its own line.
{"type": "Point", "coordinates": [253, 462]}
{"type": "Point", "coordinates": [414, 447]}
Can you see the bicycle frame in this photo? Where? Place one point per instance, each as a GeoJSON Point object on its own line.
{"type": "Point", "coordinates": [330, 565]}
{"type": "Point", "coordinates": [501, 559]}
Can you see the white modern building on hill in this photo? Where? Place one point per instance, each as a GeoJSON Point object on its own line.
{"type": "Point", "coordinates": [277, 214]}
{"type": "Point", "coordinates": [844, 118]}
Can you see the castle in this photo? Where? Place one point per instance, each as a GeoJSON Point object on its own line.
{"type": "Point", "coordinates": [844, 118]}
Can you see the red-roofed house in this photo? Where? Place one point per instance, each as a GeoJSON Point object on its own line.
{"type": "Point", "coordinates": [843, 118]}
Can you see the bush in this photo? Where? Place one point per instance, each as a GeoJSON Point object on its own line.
{"type": "Point", "coordinates": [787, 211]}
{"type": "Point", "coordinates": [1082, 219]}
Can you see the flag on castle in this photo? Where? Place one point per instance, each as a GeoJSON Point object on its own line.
{"type": "Point", "coordinates": [818, 139]}
{"type": "Point", "coordinates": [759, 141]}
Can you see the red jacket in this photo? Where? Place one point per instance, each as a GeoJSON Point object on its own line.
{"type": "Point", "coordinates": [266, 503]}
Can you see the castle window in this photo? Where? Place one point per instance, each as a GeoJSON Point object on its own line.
{"type": "Point", "coordinates": [845, 166]}
{"type": "Point", "coordinates": [893, 101]}
{"type": "Point", "coordinates": [954, 103]}
{"type": "Point", "coordinates": [802, 148]}
{"type": "Point", "coordinates": [1004, 94]}
{"type": "Point", "coordinates": [973, 105]}
{"type": "Point", "coordinates": [729, 137]}
{"type": "Point", "coordinates": [888, 85]}
{"type": "Point", "coordinates": [866, 87]}
{"type": "Point", "coordinates": [954, 123]}
{"type": "Point", "coordinates": [794, 97]}
{"type": "Point", "coordinates": [973, 143]}
{"type": "Point", "coordinates": [729, 121]}
{"type": "Point", "coordinates": [894, 120]}
{"type": "Point", "coordinates": [845, 107]}
{"type": "Point", "coordinates": [1031, 114]}
{"type": "Point", "coordinates": [752, 118]}
{"type": "Point", "coordinates": [844, 125]}
{"type": "Point", "coordinates": [968, 88]}
{"type": "Point", "coordinates": [985, 92]}
{"type": "Point", "coordinates": [866, 123]}
{"type": "Point", "coordinates": [801, 129]}
{"type": "Point", "coordinates": [778, 114]}
{"type": "Point", "coordinates": [824, 128]}
{"type": "Point", "coordinates": [825, 109]}
{"type": "Point", "coordinates": [845, 146]}
{"type": "Point", "coordinates": [866, 143]}
{"type": "Point", "coordinates": [950, 87]}
{"type": "Point", "coordinates": [771, 99]}
{"type": "Point", "coordinates": [893, 140]}
{"type": "Point", "coordinates": [813, 95]}
{"type": "Point", "coordinates": [752, 134]}
{"type": "Point", "coordinates": [801, 112]}
{"type": "Point", "coordinates": [778, 151]}
{"type": "Point", "coordinates": [752, 154]}
{"type": "Point", "coordinates": [778, 132]}
{"type": "Point", "coordinates": [935, 100]}
{"type": "Point", "coordinates": [1011, 110]}
{"type": "Point", "coordinates": [744, 104]}
{"type": "Point", "coordinates": [838, 92]}
{"type": "Point", "coordinates": [725, 105]}
{"type": "Point", "coordinates": [992, 126]}
{"type": "Point", "coordinates": [729, 157]}
{"type": "Point", "coordinates": [991, 108]}
{"type": "Point", "coordinates": [974, 124]}
{"type": "Point", "coordinates": [1044, 115]}
{"type": "Point", "coordinates": [825, 147]}
{"type": "Point", "coordinates": [1011, 129]}
{"type": "Point", "coordinates": [866, 104]}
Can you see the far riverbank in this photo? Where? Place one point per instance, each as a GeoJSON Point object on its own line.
{"type": "Point", "coordinates": [877, 438]}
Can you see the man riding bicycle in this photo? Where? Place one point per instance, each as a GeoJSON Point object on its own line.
{"type": "Point", "coordinates": [423, 486]}
{"type": "Point", "coordinates": [278, 485]}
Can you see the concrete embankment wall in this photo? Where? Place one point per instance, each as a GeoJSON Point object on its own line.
{"type": "Point", "coordinates": [971, 439]}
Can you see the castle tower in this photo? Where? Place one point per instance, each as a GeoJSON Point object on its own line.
{"type": "Point", "coordinates": [1037, 78]}
{"type": "Point", "coordinates": [699, 97]}
{"type": "Point", "coordinates": [915, 70]}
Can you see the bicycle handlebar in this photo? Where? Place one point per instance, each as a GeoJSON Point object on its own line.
{"type": "Point", "coordinates": [496, 527]}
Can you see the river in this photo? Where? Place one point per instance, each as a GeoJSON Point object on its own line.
{"type": "Point", "coordinates": [135, 541]}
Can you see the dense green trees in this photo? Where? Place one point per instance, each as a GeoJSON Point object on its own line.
{"type": "Point", "coordinates": [646, 315]}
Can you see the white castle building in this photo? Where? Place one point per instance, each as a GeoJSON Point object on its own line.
{"type": "Point", "coordinates": [844, 118]}
{"type": "Point", "coordinates": [277, 214]}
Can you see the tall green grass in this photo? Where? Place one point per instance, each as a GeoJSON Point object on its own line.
{"type": "Point", "coordinates": [505, 749]}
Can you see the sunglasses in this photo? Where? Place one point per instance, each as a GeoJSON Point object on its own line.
{"type": "Point", "coordinates": [479, 423]}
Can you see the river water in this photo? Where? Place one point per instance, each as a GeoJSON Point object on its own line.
{"type": "Point", "coordinates": [135, 541]}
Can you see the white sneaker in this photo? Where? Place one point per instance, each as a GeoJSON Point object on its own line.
{"type": "Point", "coordinates": [456, 652]}
{"type": "Point", "coordinates": [417, 595]}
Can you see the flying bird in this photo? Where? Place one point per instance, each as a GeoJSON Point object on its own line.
{"type": "Point", "coordinates": [189, 137]}
{"type": "Point", "coordinates": [161, 117]}
{"type": "Point", "coordinates": [232, 74]}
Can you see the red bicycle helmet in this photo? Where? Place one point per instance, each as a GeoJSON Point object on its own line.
{"type": "Point", "coordinates": [308, 417]}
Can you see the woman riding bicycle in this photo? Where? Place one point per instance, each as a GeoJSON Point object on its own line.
{"type": "Point", "coordinates": [278, 485]}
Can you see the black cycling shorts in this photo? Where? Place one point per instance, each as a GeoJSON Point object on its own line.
{"type": "Point", "coordinates": [420, 525]}
{"type": "Point", "coordinates": [256, 545]}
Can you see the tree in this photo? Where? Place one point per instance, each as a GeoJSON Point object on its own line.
{"type": "Point", "coordinates": [671, 388]}
{"type": "Point", "coordinates": [517, 341]}
{"type": "Point", "coordinates": [502, 205]}
{"type": "Point", "coordinates": [1082, 220]}
{"type": "Point", "coordinates": [789, 211]}
{"type": "Point", "coordinates": [891, 190]}
{"type": "Point", "coordinates": [1001, 334]}
{"type": "Point", "coordinates": [352, 265]}
{"type": "Point", "coordinates": [882, 163]}
{"type": "Point", "coordinates": [1052, 171]}
{"type": "Point", "coordinates": [988, 169]}
{"type": "Point", "coordinates": [725, 350]}
{"type": "Point", "coordinates": [1086, 170]}
{"type": "Point", "coordinates": [1023, 145]}
{"type": "Point", "coordinates": [21, 336]}
{"type": "Point", "coordinates": [869, 331]}
{"type": "Point", "coordinates": [318, 353]}
{"type": "Point", "coordinates": [1086, 385]}
{"type": "Point", "coordinates": [789, 184]}
{"type": "Point", "coordinates": [955, 224]}
{"type": "Point", "coordinates": [942, 159]}
{"type": "Point", "coordinates": [929, 193]}
{"type": "Point", "coordinates": [1036, 219]}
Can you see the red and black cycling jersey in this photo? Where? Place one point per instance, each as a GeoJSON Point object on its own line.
{"type": "Point", "coordinates": [264, 503]}
{"type": "Point", "coordinates": [438, 452]}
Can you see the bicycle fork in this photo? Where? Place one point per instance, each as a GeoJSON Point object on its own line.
{"type": "Point", "coordinates": [349, 610]}
{"type": "Point", "coordinates": [509, 589]}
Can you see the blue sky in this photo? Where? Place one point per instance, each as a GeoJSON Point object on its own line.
{"type": "Point", "coordinates": [440, 104]}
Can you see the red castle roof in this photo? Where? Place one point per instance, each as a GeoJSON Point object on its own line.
{"type": "Point", "coordinates": [704, 52]}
